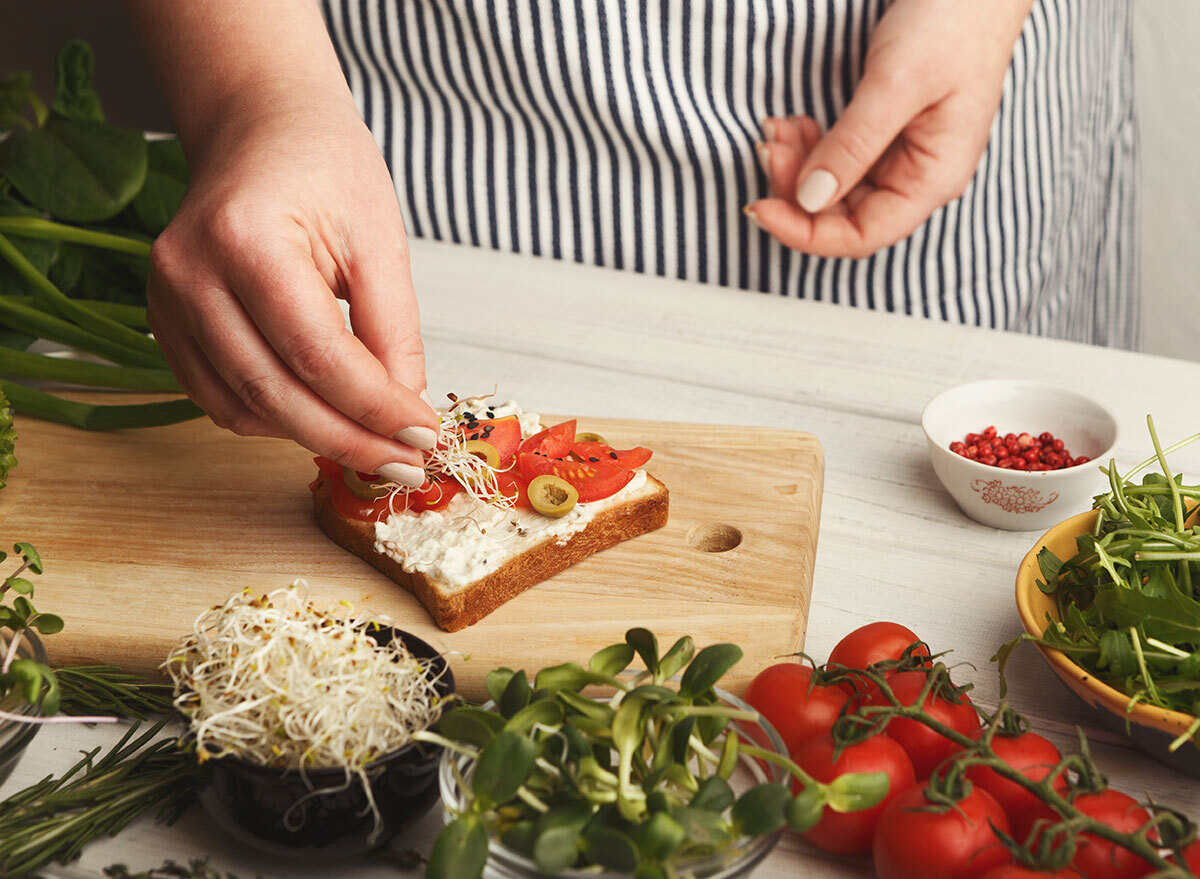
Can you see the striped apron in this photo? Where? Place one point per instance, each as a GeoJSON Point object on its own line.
{"type": "Point", "coordinates": [621, 133]}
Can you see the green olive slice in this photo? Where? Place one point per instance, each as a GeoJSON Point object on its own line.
{"type": "Point", "coordinates": [552, 495]}
{"type": "Point", "coordinates": [586, 437]}
{"type": "Point", "coordinates": [484, 450]}
{"type": "Point", "coordinates": [362, 490]}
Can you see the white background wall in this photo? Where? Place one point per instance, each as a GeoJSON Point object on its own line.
{"type": "Point", "coordinates": [1167, 51]}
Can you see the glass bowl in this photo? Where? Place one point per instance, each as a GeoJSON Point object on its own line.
{"type": "Point", "coordinates": [504, 863]}
{"type": "Point", "coordinates": [15, 735]}
{"type": "Point", "coordinates": [250, 802]}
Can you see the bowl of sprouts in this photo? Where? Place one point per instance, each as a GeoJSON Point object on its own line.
{"type": "Point", "coordinates": [310, 722]}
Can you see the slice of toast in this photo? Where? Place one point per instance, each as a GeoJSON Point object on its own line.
{"type": "Point", "coordinates": [455, 606]}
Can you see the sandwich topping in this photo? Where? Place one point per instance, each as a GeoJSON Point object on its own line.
{"type": "Point", "coordinates": [498, 483]}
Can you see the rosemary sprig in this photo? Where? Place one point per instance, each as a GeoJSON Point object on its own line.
{"type": "Point", "coordinates": [196, 868]}
{"type": "Point", "coordinates": [106, 689]}
{"type": "Point", "coordinates": [55, 818]}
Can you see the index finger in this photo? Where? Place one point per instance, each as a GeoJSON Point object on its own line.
{"type": "Point", "coordinates": [288, 299]}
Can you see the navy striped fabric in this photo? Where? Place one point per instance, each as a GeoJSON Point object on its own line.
{"type": "Point", "coordinates": [621, 133]}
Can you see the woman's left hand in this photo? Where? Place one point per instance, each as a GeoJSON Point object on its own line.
{"type": "Point", "coordinates": [907, 143]}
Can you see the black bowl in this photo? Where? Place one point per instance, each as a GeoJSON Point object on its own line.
{"type": "Point", "coordinates": [251, 802]}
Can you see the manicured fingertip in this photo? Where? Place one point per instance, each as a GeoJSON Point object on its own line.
{"type": "Point", "coordinates": [764, 157]}
{"type": "Point", "coordinates": [424, 395]}
{"type": "Point", "coordinates": [748, 210]}
{"type": "Point", "coordinates": [816, 191]}
{"type": "Point", "coordinates": [402, 474]}
{"type": "Point", "coordinates": [418, 437]}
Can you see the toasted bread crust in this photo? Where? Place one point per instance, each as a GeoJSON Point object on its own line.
{"type": "Point", "coordinates": [454, 610]}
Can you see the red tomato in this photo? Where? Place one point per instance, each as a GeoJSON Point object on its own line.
{"type": "Point", "coordinates": [925, 747]}
{"type": "Point", "coordinates": [1034, 756]}
{"type": "Point", "coordinates": [955, 844]}
{"type": "Point", "coordinates": [630, 458]}
{"type": "Point", "coordinates": [874, 642]}
{"type": "Point", "coordinates": [850, 833]}
{"type": "Point", "coordinates": [592, 481]}
{"type": "Point", "coordinates": [1014, 871]}
{"type": "Point", "coordinates": [784, 695]}
{"type": "Point", "coordinates": [503, 433]}
{"type": "Point", "coordinates": [513, 485]}
{"type": "Point", "coordinates": [432, 496]}
{"type": "Point", "coordinates": [1098, 858]}
{"type": "Point", "coordinates": [553, 442]}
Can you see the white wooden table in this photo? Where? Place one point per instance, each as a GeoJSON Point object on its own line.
{"type": "Point", "coordinates": [893, 545]}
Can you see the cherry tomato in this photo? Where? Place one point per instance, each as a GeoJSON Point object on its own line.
{"type": "Point", "coordinates": [503, 433]}
{"type": "Point", "coordinates": [925, 747]}
{"type": "Point", "coordinates": [628, 458]}
{"type": "Point", "coordinates": [553, 442]}
{"type": "Point", "coordinates": [592, 481]}
{"type": "Point", "coordinates": [874, 642]}
{"type": "Point", "coordinates": [850, 833]}
{"type": "Point", "coordinates": [957, 843]}
{"type": "Point", "coordinates": [1098, 858]}
{"type": "Point", "coordinates": [1031, 754]}
{"type": "Point", "coordinates": [784, 695]}
{"type": "Point", "coordinates": [1014, 871]}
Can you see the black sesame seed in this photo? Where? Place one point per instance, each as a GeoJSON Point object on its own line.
{"type": "Point", "coordinates": [491, 413]}
{"type": "Point", "coordinates": [612, 455]}
{"type": "Point", "coordinates": [593, 459]}
{"type": "Point", "coordinates": [472, 424]}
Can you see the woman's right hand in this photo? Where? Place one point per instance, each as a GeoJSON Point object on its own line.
{"type": "Point", "coordinates": [290, 205]}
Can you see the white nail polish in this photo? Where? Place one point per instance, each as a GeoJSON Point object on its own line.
{"type": "Point", "coordinates": [428, 399]}
{"type": "Point", "coordinates": [768, 129]}
{"type": "Point", "coordinates": [402, 474]}
{"type": "Point", "coordinates": [418, 437]}
{"type": "Point", "coordinates": [764, 157]}
{"type": "Point", "coordinates": [817, 190]}
{"type": "Point", "coordinates": [753, 217]}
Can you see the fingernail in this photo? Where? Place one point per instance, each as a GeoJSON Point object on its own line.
{"type": "Point", "coordinates": [402, 474]}
{"type": "Point", "coordinates": [768, 129]}
{"type": "Point", "coordinates": [764, 157]}
{"type": "Point", "coordinates": [418, 437]}
{"type": "Point", "coordinates": [815, 193]}
{"type": "Point", "coordinates": [753, 217]}
{"type": "Point", "coordinates": [428, 399]}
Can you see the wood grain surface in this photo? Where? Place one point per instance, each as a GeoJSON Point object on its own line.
{"type": "Point", "coordinates": [142, 531]}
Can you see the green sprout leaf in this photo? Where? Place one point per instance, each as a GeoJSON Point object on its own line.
{"type": "Point", "coordinates": [19, 585]}
{"type": "Point", "coordinates": [8, 441]}
{"type": "Point", "coordinates": [544, 712]}
{"type": "Point", "coordinates": [612, 660]}
{"type": "Point", "coordinates": [714, 795]}
{"type": "Point", "coordinates": [472, 725]}
{"type": "Point", "coordinates": [515, 696]}
{"type": "Point", "coordinates": [676, 658]}
{"type": "Point", "coordinates": [646, 645]}
{"type": "Point", "coordinates": [707, 668]}
{"type": "Point", "coordinates": [460, 851]}
{"type": "Point", "coordinates": [497, 679]}
{"type": "Point", "coordinates": [804, 812]}
{"type": "Point", "coordinates": [612, 849]}
{"type": "Point", "coordinates": [503, 766]}
{"type": "Point", "coordinates": [48, 623]}
{"type": "Point", "coordinates": [856, 791]}
{"type": "Point", "coordinates": [762, 809]}
{"type": "Point", "coordinates": [659, 836]}
{"type": "Point", "coordinates": [27, 552]}
{"type": "Point", "coordinates": [557, 849]}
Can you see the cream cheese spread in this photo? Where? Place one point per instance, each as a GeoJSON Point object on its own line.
{"type": "Point", "coordinates": [469, 539]}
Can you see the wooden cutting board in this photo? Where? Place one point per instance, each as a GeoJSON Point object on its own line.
{"type": "Point", "coordinates": [141, 531]}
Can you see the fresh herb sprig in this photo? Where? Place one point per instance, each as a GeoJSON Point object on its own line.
{"type": "Point", "coordinates": [62, 170]}
{"type": "Point", "coordinates": [1129, 599]}
{"type": "Point", "coordinates": [635, 782]}
{"type": "Point", "coordinates": [55, 818]}
{"type": "Point", "coordinates": [33, 681]}
{"type": "Point", "coordinates": [106, 689]}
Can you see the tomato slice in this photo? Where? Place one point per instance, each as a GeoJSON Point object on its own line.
{"type": "Point", "coordinates": [503, 433]}
{"type": "Point", "coordinates": [553, 442]}
{"type": "Point", "coordinates": [432, 496]}
{"type": "Point", "coordinates": [593, 481]}
{"type": "Point", "coordinates": [595, 452]}
{"type": "Point", "coordinates": [513, 485]}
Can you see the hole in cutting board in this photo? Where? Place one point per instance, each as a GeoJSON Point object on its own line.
{"type": "Point", "coordinates": [714, 538]}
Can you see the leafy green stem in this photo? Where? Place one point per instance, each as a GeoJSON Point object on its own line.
{"type": "Point", "coordinates": [36, 227]}
{"type": "Point", "coordinates": [98, 417]}
{"type": "Point", "coordinates": [36, 322]}
{"type": "Point", "coordinates": [22, 364]}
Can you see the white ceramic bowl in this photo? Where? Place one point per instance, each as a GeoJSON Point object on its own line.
{"type": "Point", "coordinates": [1018, 500]}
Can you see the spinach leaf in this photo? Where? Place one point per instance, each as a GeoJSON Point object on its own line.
{"type": "Point", "coordinates": [74, 96]}
{"type": "Point", "coordinates": [75, 169]}
{"type": "Point", "coordinates": [41, 252]}
{"type": "Point", "coordinates": [17, 93]}
{"type": "Point", "coordinates": [166, 182]}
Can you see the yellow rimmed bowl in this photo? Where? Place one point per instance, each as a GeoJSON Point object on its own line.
{"type": "Point", "coordinates": [1151, 728]}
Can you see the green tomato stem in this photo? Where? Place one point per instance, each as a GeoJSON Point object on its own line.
{"type": "Point", "coordinates": [36, 227]}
